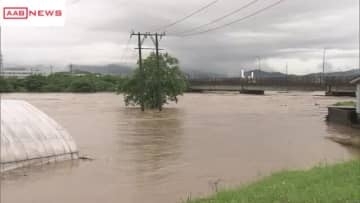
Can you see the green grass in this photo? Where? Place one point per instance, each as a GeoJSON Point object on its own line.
{"type": "Point", "coordinates": [346, 103]}
{"type": "Point", "coordinates": [326, 184]}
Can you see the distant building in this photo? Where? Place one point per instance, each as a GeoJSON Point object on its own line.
{"type": "Point", "coordinates": [19, 72]}
{"type": "Point", "coordinates": [356, 81]}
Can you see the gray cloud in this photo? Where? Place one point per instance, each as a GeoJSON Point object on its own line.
{"type": "Point", "coordinates": [296, 31]}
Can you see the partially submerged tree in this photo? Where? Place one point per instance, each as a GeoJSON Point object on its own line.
{"type": "Point", "coordinates": [154, 86]}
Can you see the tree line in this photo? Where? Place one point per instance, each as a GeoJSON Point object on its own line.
{"type": "Point", "coordinates": [158, 82]}
{"type": "Point", "coordinates": [61, 82]}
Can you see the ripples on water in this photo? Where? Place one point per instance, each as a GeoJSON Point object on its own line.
{"type": "Point", "coordinates": [162, 157]}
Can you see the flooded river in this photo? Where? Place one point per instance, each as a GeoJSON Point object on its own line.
{"type": "Point", "coordinates": [165, 157]}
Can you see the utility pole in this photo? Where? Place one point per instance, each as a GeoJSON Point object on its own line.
{"type": "Point", "coordinates": [141, 38]}
{"type": "Point", "coordinates": [1, 74]}
{"type": "Point", "coordinates": [71, 69]}
{"type": "Point", "coordinates": [158, 83]}
{"type": "Point", "coordinates": [140, 41]}
{"type": "Point", "coordinates": [259, 65]}
{"type": "Point", "coordinates": [1, 56]}
{"type": "Point", "coordinates": [287, 76]}
{"type": "Point", "coordinates": [155, 38]}
{"type": "Point", "coordinates": [322, 81]}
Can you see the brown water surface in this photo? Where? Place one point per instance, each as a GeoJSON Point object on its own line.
{"type": "Point", "coordinates": [164, 157]}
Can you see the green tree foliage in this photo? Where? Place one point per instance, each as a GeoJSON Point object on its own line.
{"type": "Point", "coordinates": [61, 82]}
{"type": "Point", "coordinates": [58, 82]}
{"type": "Point", "coordinates": [4, 85]}
{"type": "Point", "coordinates": [16, 85]}
{"type": "Point", "coordinates": [153, 87]}
{"type": "Point", "coordinates": [83, 84]}
{"type": "Point", "coordinates": [34, 83]}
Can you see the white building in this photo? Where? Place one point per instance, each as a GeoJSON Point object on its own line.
{"type": "Point", "coordinates": [18, 72]}
{"type": "Point", "coordinates": [356, 81]}
{"type": "Point", "coordinates": [242, 74]}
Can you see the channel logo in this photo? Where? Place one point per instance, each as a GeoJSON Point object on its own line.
{"type": "Point", "coordinates": [18, 13]}
{"type": "Point", "coordinates": [32, 13]}
{"type": "Point", "coordinates": [15, 13]}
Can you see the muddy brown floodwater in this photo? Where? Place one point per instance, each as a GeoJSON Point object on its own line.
{"type": "Point", "coordinates": [166, 157]}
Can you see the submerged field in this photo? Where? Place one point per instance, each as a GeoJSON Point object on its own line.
{"type": "Point", "coordinates": [326, 184]}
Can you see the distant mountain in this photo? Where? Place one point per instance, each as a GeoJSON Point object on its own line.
{"type": "Point", "coordinates": [37, 68]}
{"type": "Point", "coordinates": [117, 69]}
{"type": "Point", "coordinates": [349, 73]}
{"type": "Point", "coordinates": [112, 69]}
{"type": "Point", "coordinates": [199, 74]}
{"type": "Point", "coordinates": [265, 74]}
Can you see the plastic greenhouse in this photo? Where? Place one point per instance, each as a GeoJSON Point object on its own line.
{"type": "Point", "coordinates": [29, 136]}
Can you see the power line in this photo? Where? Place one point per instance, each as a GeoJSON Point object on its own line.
{"type": "Point", "coordinates": [238, 20]}
{"type": "Point", "coordinates": [220, 18]}
{"type": "Point", "coordinates": [188, 16]}
{"type": "Point", "coordinates": [235, 21]}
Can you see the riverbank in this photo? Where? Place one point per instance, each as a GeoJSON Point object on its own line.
{"type": "Point", "coordinates": [336, 183]}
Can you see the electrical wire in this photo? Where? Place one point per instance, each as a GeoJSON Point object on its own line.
{"type": "Point", "coordinates": [163, 28]}
{"type": "Point", "coordinates": [235, 21]}
{"type": "Point", "coordinates": [218, 19]}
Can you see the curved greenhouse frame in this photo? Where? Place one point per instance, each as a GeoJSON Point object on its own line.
{"type": "Point", "coordinates": [29, 136]}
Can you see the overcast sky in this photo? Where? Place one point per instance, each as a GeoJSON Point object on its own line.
{"type": "Point", "coordinates": [294, 32]}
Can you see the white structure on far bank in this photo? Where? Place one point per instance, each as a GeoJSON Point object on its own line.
{"type": "Point", "coordinates": [242, 74]}
{"type": "Point", "coordinates": [19, 72]}
{"type": "Point", "coordinates": [30, 137]}
{"type": "Point", "coordinates": [356, 81]}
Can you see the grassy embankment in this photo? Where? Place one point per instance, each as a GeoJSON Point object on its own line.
{"type": "Point", "coordinates": [346, 103]}
{"type": "Point", "coordinates": [326, 184]}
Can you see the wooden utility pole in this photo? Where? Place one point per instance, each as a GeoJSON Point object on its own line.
{"type": "Point", "coordinates": [322, 81]}
{"type": "Point", "coordinates": [71, 69]}
{"type": "Point", "coordinates": [155, 38]}
{"type": "Point", "coordinates": [287, 76]}
{"type": "Point", "coordinates": [1, 56]}
{"type": "Point", "coordinates": [259, 65]}
{"type": "Point", "coordinates": [141, 39]}
{"type": "Point", "coordinates": [158, 83]}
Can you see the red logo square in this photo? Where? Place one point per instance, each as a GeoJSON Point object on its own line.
{"type": "Point", "coordinates": [15, 13]}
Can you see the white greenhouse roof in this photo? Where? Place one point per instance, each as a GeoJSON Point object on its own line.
{"type": "Point", "coordinates": [28, 135]}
